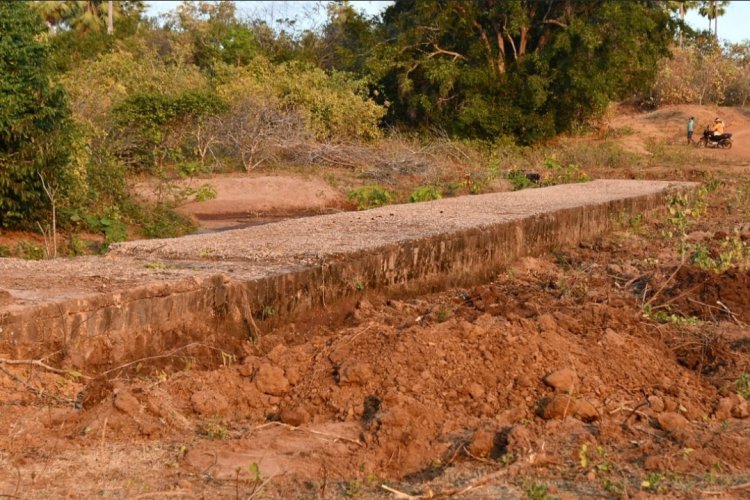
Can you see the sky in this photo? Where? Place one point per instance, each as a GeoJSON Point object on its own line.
{"type": "Point", "coordinates": [312, 11]}
{"type": "Point", "coordinates": [733, 26]}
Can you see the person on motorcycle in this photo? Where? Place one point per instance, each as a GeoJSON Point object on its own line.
{"type": "Point", "coordinates": [718, 128]}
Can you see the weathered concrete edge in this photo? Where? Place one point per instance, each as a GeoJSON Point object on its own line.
{"type": "Point", "coordinates": [102, 326]}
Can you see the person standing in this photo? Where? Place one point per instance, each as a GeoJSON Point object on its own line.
{"type": "Point", "coordinates": [690, 129]}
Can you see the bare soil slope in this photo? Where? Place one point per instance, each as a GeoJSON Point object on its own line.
{"type": "Point", "coordinates": [669, 124]}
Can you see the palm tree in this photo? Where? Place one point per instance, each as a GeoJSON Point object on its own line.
{"type": "Point", "coordinates": [682, 7]}
{"type": "Point", "coordinates": [85, 15]}
{"type": "Point", "coordinates": [712, 9]}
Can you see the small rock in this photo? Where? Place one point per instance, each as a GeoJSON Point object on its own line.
{"type": "Point", "coordinates": [209, 403]}
{"type": "Point", "coordinates": [355, 373]}
{"type": "Point", "coordinates": [547, 323]}
{"type": "Point", "coordinates": [741, 410]}
{"type": "Point", "coordinates": [612, 338]}
{"type": "Point", "coordinates": [557, 407]}
{"type": "Point", "coordinates": [293, 374]}
{"type": "Point", "coordinates": [523, 381]}
{"type": "Point", "coordinates": [724, 408]}
{"type": "Point", "coordinates": [271, 380]}
{"type": "Point", "coordinates": [124, 401]}
{"type": "Point", "coordinates": [294, 416]}
{"type": "Point", "coordinates": [475, 390]}
{"type": "Point", "coordinates": [586, 411]}
{"type": "Point", "coordinates": [564, 380]}
{"type": "Point", "coordinates": [481, 443]}
{"type": "Point", "coordinates": [670, 405]}
{"type": "Point", "coordinates": [510, 416]}
{"type": "Point", "coordinates": [672, 422]}
{"type": "Point", "coordinates": [656, 403]}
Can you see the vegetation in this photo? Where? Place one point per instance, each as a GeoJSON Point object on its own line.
{"type": "Point", "coordinates": [96, 95]}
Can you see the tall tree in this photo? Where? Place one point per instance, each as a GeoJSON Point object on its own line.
{"type": "Point", "coordinates": [216, 33]}
{"type": "Point", "coordinates": [681, 8]}
{"type": "Point", "coordinates": [712, 10]}
{"type": "Point", "coordinates": [347, 38]}
{"type": "Point", "coordinates": [86, 16]}
{"type": "Point", "coordinates": [527, 68]}
{"type": "Point", "coordinates": [34, 117]}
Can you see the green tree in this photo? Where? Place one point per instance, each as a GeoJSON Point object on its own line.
{"type": "Point", "coordinates": [347, 38]}
{"type": "Point", "coordinates": [35, 130]}
{"type": "Point", "coordinates": [215, 32]}
{"type": "Point", "coordinates": [526, 68]}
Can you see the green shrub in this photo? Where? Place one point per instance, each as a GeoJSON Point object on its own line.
{"type": "Point", "coordinates": [162, 222]}
{"type": "Point", "coordinates": [563, 174]}
{"type": "Point", "coordinates": [332, 105]}
{"type": "Point", "coordinates": [154, 128]}
{"type": "Point", "coordinates": [425, 193]}
{"type": "Point", "coordinates": [743, 385]}
{"type": "Point", "coordinates": [370, 196]}
{"type": "Point", "coordinates": [30, 251]}
{"type": "Point", "coordinates": [519, 180]}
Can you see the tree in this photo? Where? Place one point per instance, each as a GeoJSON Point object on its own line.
{"type": "Point", "coordinates": [347, 39]}
{"type": "Point", "coordinates": [216, 33]}
{"type": "Point", "coordinates": [84, 16]}
{"type": "Point", "coordinates": [526, 68]}
{"type": "Point", "coordinates": [681, 8]}
{"type": "Point", "coordinates": [35, 129]}
{"type": "Point", "coordinates": [712, 10]}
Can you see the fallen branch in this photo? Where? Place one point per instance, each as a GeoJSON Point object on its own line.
{"type": "Point", "coordinates": [40, 364]}
{"type": "Point", "coordinates": [664, 285]}
{"type": "Point", "coordinates": [159, 356]}
{"type": "Point", "coordinates": [399, 494]}
{"type": "Point", "coordinates": [739, 487]}
{"type": "Point", "coordinates": [168, 493]}
{"type": "Point", "coordinates": [293, 428]}
{"type": "Point", "coordinates": [730, 313]}
{"type": "Point", "coordinates": [474, 484]}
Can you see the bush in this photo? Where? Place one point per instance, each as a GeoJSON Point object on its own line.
{"type": "Point", "coordinates": [424, 193]}
{"type": "Point", "coordinates": [332, 106]}
{"type": "Point", "coordinates": [370, 196]}
{"type": "Point", "coordinates": [158, 128]}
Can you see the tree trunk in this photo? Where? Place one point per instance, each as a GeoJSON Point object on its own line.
{"type": "Point", "coordinates": [110, 18]}
{"type": "Point", "coordinates": [682, 18]}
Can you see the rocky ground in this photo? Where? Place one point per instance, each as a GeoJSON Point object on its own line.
{"type": "Point", "coordinates": [618, 368]}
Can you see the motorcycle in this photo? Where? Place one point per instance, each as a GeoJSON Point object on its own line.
{"type": "Point", "coordinates": [723, 141]}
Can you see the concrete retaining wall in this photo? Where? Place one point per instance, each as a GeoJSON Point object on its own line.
{"type": "Point", "coordinates": [106, 328]}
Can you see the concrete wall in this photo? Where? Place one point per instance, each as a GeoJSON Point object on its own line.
{"type": "Point", "coordinates": [111, 328]}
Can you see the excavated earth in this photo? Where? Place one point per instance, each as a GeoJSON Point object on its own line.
{"type": "Point", "coordinates": [608, 368]}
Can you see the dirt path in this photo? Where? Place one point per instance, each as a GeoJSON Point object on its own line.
{"type": "Point", "coordinates": [244, 200]}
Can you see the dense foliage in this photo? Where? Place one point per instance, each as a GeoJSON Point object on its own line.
{"type": "Point", "coordinates": [526, 68]}
{"type": "Point", "coordinates": [35, 133]}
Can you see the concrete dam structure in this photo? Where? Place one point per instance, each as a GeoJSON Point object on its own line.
{"type": "Point", "coordinates": [145, 297]}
